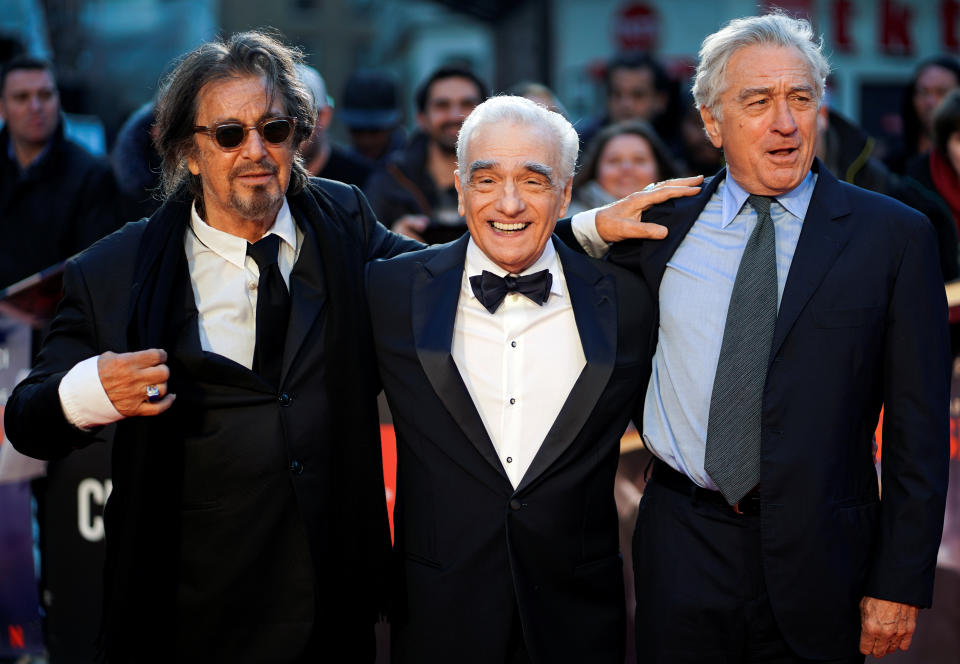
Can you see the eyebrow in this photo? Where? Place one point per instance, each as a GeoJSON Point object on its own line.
{"type": "Point", "coordinates": [746, 93]}
{"type": "Point", "coordinates": [541, 169]}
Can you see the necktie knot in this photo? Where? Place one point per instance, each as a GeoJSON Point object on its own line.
{"type": "Point", "coordinates": [490, 289]}
{"type": "Point", "coordinates": [264, 251]}
{"type": "Point", "coordinates": [761, 204]}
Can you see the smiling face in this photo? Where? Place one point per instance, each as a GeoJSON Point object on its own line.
{"type": "Point", "coordinates": [243, 188]}
{"type": "Point", "coordinates": [626, 165]}
{"type": "Point", "coordinates": [449, 102]}
{"type": "Point", "coordinates": [768, 128]}
{"type": "Point", "coordinates": [510, 192]}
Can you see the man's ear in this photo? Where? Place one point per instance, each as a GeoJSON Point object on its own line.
{"type": "Point", "coordinates": [422, 120]}
{"type": "Point", "coordinates": [192, 162]}
{"type": "Point", "coordinates": [712, 125]}
{"type": "Point", "coordinates": [567, 192]}
{"type": "Point", "coordinates": [325, 117]}
{"type": "Point", "coordinates": [461, 210]}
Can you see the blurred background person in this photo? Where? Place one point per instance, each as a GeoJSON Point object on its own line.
{"type": "Point", "coordinates": [321, 156]}
{"type": "Point", "coordinates": [55, 197]}
{"type": "Point", "coordinates": [698, 154]}
{"type": "Point", "coordinates": [541, 94]}
{"type": "Point", "coordinates": [414, 194]}
{"type": "Point", "coordinates": [136, 165]}
{"type": "Point", "coordinates": [637, 88]}
{"type": "Point", "coordinates": [623, 158]}
{"type": "Point", "coordinates": [370, 109]}
{"type": "Point", "coordinates": [938, 168]}
{"type": "Point", "coordinates": [849, 153]}
{"type": "Point", "coordinates": [932, 80]}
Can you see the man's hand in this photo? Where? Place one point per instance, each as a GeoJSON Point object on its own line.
{"type": "Point", "coordinates": [411, 225]}
{"type": "Point", "coordinates": [126, 376]}
{"type": "Point", "coordinates": [621, 220]}
{"type": "Point", "coordinates": [885, 626]}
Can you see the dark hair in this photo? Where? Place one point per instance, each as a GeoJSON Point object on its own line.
{"type": "Point", "coordinates": [449, 71]}
{"type": "Point", "coordinates": [911, 123]}
{"type": "Point", "coordinates": [946, 121]}
{"type": "Point", "coordinates": [666, 168]}
{"type": "Point", "coordinates": [252, 53]}
{"type": "Point", "coordinates": [24, 62]}
{"type": "Point", "coordinates": [638, 60]}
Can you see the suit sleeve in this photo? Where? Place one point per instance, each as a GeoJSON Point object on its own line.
{"type": "Point", "coordinates": [34, 420]}
{"type": "Point", "coordinates": [915, 452]}
{"type": "Point", "coordinates": [380, 241]}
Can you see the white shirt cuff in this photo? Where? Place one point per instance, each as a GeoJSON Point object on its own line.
{"type": "Point", "coordinates": [84, 401]}
{"type": "Point", "coordinates": [584, 226]}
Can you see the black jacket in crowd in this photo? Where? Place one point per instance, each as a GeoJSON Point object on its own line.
{"type": "Point", "coordinates": [53, 209]}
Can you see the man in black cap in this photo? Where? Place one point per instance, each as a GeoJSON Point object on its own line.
{"type": "Point", "coordinates": [371, 111]}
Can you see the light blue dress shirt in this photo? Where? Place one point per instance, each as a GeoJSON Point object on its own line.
{"type": "Point", "coordinates": [694, 297]}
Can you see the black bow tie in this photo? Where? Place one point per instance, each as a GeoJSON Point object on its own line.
{"type": "Point", "coordinates": [491, 289]}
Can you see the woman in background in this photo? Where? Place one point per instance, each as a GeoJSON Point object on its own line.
{"type": "Point", "coordinates": [623, 158]}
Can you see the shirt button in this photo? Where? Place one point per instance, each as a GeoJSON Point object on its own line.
{"type": "Point", "coordinates": [513, 344]}
{"type": "Point", "coordinates": [296, 467]}
{"type": "Point", "coordinates": [509, 459]}
{"type": "Point", "coordinates": [512, 401]}
{"type": "Point", "coordinates": [284, 399]}
{"type": "Point", "coordinates": [515, 504]}
{"type": "Point", "coordinates": [252, 285]}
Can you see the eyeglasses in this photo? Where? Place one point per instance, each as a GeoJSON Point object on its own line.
{"type": "Point", "coordinates": [230, 135]}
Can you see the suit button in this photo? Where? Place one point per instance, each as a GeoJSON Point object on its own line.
{"type": "Point", "coordinates": [284, 399]}
{"type": "Point", "coordinates": [296, 467]}
{"type": "Point", "coordinates": [515, 504]}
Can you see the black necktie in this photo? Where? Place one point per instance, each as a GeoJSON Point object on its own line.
{"type": "Point", "coordinates": [732, 455]}
{"type": "Point", "coordinates": [273, 309]}
{"type": "Point", "coordinates": [491, 289]}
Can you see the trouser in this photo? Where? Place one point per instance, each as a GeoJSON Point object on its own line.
{"type": "Point", "coordinates": [701, 595]}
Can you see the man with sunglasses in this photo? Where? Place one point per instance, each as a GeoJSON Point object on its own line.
{"type": "Point", "coordinates": [223, 345]}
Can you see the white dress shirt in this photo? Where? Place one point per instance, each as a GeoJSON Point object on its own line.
{"type": "Point", "coordinates": [520, 363]}
{"type": "Point", "coordinates": [224, 281]}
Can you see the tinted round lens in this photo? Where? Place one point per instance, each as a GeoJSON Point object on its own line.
{"type": "Point", "coordinates": [276, 131]}
{"type": "Point", "coordinates": [229, 136]}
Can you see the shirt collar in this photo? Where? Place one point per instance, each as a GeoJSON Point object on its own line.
{"type": "Point", "coordinates": [477, 262]}
{"type": "Point", "coordinates": [796, 201]}
{"type": "Point", "coordinates": [234, 249]}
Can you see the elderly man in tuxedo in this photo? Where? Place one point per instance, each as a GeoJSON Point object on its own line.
{"type": "Point", "coordinates": [511, 365]}
{"type": "Point", "coordinates": [791, 307]}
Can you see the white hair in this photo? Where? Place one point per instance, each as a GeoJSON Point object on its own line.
{"type": "Point", "coordinates": [506, 109]}
{"type": "Point", "coordinates": [775, 29]}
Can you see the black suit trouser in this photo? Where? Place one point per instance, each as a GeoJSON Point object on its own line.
{"type": "Point", "coordinates": [701, 595]}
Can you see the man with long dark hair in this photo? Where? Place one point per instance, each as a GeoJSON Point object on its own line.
{"type": "Point", "coordinates": [223, 344]}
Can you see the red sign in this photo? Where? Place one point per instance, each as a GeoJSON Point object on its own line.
{"type": "Point", "coordinates": [636, 27]}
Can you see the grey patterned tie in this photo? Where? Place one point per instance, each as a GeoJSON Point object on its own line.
{"type": "Point", "coordinates": [733, 430]}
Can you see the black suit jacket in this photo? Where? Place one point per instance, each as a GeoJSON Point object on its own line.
{"type": "Point", "coordinates": [470, 549]}
{"type": "Point", "coordinates": [862, 324]}
{"type": "Point", "coordinates": [215, 500]}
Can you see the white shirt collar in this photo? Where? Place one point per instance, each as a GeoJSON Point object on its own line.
{"type": "Point", "coordinates": [477, 261]}
{"type": "Point", "coordinates": [234, 249]}
{"type": "Point", "coordinates": [796, 201]}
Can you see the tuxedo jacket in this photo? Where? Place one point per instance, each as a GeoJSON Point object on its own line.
{"type": "Point", "coordinates": [248, 518]}
{"type": "Point", "coordinates": [862, 324]}
{"type": "Point", "coordinates": [470, 549]}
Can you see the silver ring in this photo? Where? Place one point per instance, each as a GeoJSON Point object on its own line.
{"type": "Point", "coordinates": [153, 393]}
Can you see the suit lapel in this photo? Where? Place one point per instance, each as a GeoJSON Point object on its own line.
{"type": "Point", "coordinates": [436, 293]}
{"type": "Point", "coordinates": [594, 302]}
{"type": "Point", "coordinates": [821, 240]}
{"type": "Point", "coordinates": [307, 296]}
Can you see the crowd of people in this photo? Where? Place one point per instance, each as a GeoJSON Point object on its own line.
{"type": "Point", "coordinates": [232, 343]}
{"type": "Point", "coordinates": [648, 131]}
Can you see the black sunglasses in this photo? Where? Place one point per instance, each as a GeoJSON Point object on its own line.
{"type": "Point", "coordinates": [230, 135]}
